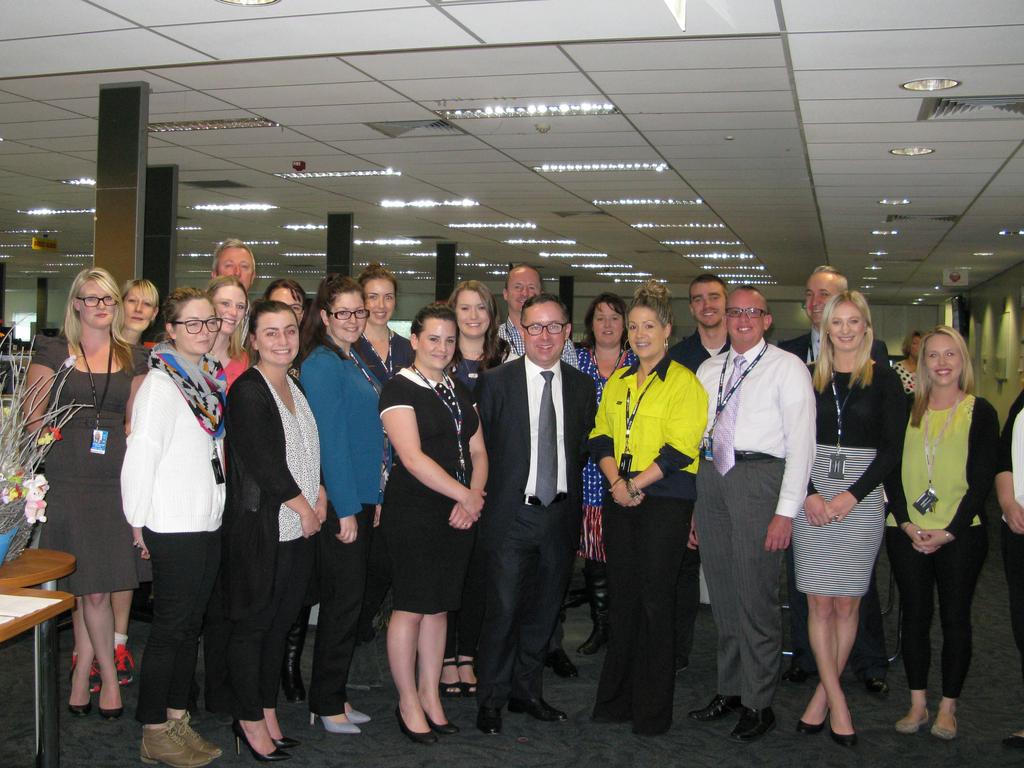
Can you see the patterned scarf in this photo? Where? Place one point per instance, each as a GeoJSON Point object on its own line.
{"type": "Point", "coordinates": [201, 385]}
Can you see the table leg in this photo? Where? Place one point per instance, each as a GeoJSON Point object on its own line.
{"type": "Point", "coordinates": [47, 692]}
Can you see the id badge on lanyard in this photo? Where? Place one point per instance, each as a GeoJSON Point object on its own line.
{"type": "Point", "coordinates": [99, 441]}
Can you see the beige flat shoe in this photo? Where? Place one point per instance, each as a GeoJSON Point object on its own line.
{"type": "Point", "coordinates": [910, 724]}
{"type": "Point", "coordinates": [941, 732]}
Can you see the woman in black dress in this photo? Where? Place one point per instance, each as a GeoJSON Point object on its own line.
{"type": "Point", "coordinates": [432, 500]}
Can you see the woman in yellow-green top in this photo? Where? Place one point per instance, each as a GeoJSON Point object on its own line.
{"type": "Point", "coordinates": [645, 441]}
{"type": "Point", "coordinates": [936, 535]}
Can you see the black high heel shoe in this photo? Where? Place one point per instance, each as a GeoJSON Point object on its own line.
{"type": "Point", "coordinates": [273, 757]}
{"type": "Point", "coordinates": [111, 714]}
{"type": "Point", "coordinates": [80, 710]}
{"type": "Point", "coordinates": [427, 737]}
{"type": "Point", "coordinates": [287, 742]}
{"type": "Point", "coordinates": [444, 729]}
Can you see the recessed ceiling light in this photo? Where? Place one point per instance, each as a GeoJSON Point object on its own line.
{"type": "Point", "coordinates": [598, 265]}
{"type": "Point", "coordinates": [466, 203]}
{"type": "Point", "coordinates": [624, 274]}
{"type": "Point", "coordinates": [930, 84]}
{"type": "Point", "coordinates": [722, 256]}
{"type": "Point", "coordinates": [878, 253]}
{"type": "Point", "coordinates": [648, 201]}
{"type": "Point", "coordinates": [84, 181]}
{"type": "Point", "coordinates": [530, 110]}
{"type": "Point", "coordinates": [189, 229]}
{"type": "Point", "coordinates": [894, 201]}
{"type": "Point", "coordinates": [885, 232]}
{"type": "Point", "coordinates": [338, 174]}
{"type": "Point", "coordinates": [389, 241]}
{"type": "Point", "coordinates": [688, 225]}
{"type": "Point", "coordinates": [56, 211]}
{"type": "Point", "coordinates": [984, 253]}
{"type": "Point", "coordinates": [301, 227]}
{"type": "Point", "coordinates": [701, 242]}
{"type": "Point", "coordinates": [752, 267]}
{"type": "Point", "coordinates": [211, 125]}
{"type": "Point", "coordinates": [262, 242]}
{"type": "Point", "coordinates": [303, 254]}
{"type": "Point", "coordinates": [584, 167]}
{"type": "Point", "coordinates": [460, 254]}
{"type": "Point", "coordinates": [911, 151]}
{"type": "Point", "coordinates": [494, 225]}
{"type": "Point", "coordinates": [748, 279]}
{"type": "Point", "coordinates": [233, 207]}
{"type": "Point", "coordinates": [549, 255]}
{"type": "Point", "coordinates": [531, 241]}
{"type": "Point", "coordinates": [873, 267]}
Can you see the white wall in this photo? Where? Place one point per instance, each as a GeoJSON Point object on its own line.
{"type": "Point", "coordinates": [995, 338]}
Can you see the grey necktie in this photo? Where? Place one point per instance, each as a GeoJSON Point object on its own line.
{"type": "Point", "coordinates": [547, 447]}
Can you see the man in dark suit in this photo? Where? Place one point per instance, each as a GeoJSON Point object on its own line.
{"type": "Point", "coordinates": [536, 413]}
{"type": "Point", "coordinates": [868, 659]}
{"type": "Point", "coordinates": [707, 308]}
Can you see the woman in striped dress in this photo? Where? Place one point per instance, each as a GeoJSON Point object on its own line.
{"type": "Point", "coordinates": [861, 417]}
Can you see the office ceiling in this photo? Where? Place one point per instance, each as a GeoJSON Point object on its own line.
{"type": "Point", "coordinates": [777, 116]}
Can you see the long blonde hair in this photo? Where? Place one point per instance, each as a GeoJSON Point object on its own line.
{"type": "Point", "coordinates": [863, 365]}
{"type": "Point", "coordinates": [72, 329]}
{"type": "Point", "coordinates": [237, 339]}
{"type": "Point", "coordinates": [922, 379]}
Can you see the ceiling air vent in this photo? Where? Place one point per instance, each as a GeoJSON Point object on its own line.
{"type": "Point", "coordinates": [215, 184]}
{"type": "Point", "coordinates": [948, 218]}
{"type": "Point", "coordinates": [970, 106]}
{"type": "Point", "coordinates": [412, 129]}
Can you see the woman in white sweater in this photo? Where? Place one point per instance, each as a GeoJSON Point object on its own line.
{"type": "Point", "coordinates": [172, 483]}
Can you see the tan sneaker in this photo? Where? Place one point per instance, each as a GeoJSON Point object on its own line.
{"type": "Point", "coordinates": [165, 744]}
{"type": "Point", "coordinates": [193, 739]}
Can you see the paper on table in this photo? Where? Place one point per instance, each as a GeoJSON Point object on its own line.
{"type": "Point", "coordinates": [15, 606]}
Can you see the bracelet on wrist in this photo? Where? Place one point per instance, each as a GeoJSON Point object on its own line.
{"type": "Point", "coordinates": [617, 481]}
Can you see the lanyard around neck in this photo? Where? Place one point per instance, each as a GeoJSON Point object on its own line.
{"type": "Point", "coordinates": [98, 405]}
{"type": "Point", "coordinates": [721, 402]}
{"type": "Point", "coordinates": [840, 408]}
{"type": "Point", "coordinates": [931, 447]}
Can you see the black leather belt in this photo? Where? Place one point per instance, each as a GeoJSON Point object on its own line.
{"type": "Point", "coordinates": [533, 501]}
{"type": "Point", "coordinates": [753, 456]}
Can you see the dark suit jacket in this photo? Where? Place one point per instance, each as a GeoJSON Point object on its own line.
{"type": "Point", "coordinates": [501, 398]}
{"type": "Point", "coordinates": [802, 344]}
{"type": "Point", "coordinates": [690, 351]}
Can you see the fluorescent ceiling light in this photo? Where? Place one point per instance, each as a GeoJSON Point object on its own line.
{"type": "Point", "coordinates": [55, 211]}
{"type": "Point", "coordinates": [753, 267]}
{"type": "Point", "coordinates": [262, 242]}
{"type": "Point", "coordinates": [639, 280]}
{"type": "Point", "coordinates": [29, 231]}
{"type": "Point", "coordinates": [84, 181]}
{"type": "Point", "coordinates": [494, 225]}
{"type": "Point", "coordinates": [878, 253]}
{"type": "Point", "coordinates": [212, 125]}
{"type": "Point", "coordinates": [233, 207]}
{"type": "Point", "coordinates": [584, 167]}
{"type": "Point", "coordinates": [338, 174]}
{"type": "Point", "coordinates": [389, 241]}
{"type": "Point", "coordinates": [1008, 232]}
{"type": "Point", "coordinates": [593, 265]}
{"type": "Point", "coordinates": [549, 255]}
{"type": "Point", "coordinates": [701, 242]}
{"type": "Point", "coordinates": [930, 84]}
{"type": "Point", "coordinates": [530, 110]}
{"type": "Point", "coordinates": [303, 254]}
{"type": "Point", "coordinates": [983, 253]}
{"type": "Point", "coordinates": [722, 256]}
{"type": "Point", "coordinates": [302, 227]}
{"type": "Point", "coordinates": [688, 225]}
{"type": "Point", "coordinates": [531, 241]}
{"type": "Point", "coordinates": [873, 267]}
{"type": "Point", "coordinates": [885, 232]}
{"type": "Point", "coordinates": [894, 201]}
{"type": "Point", "coordinates": [624, 274]}
{"type": "Point", "coordinates": [460, 254]}
{"type": "Point", "coordinates": [466, 203]}
{"type": "Point", "coordinates": [750, 280]}
{"type": "Point", "coordinates": [647, 201]}
{"type": "Point", "coordinates": [190, 228]}
{"type": "Point", "coordinates": [911, 151]}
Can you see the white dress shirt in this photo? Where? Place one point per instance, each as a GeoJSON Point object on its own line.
{"type": "Point", "coordinates": [776, 414]}
{"type": "Point", "coordinates": [534, 391]}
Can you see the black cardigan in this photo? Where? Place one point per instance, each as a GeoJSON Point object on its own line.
{"type": "Point", "coordinates": [982, 455]}
{"type": "Point", "coordinates": [258, 483]}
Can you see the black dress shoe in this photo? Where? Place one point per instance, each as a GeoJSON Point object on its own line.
{"type": "Point", "coordinates": [561, 664]}
{"type": "Point", "coordinates": [796, 674]}
{"type": "Point", "coordinates": [538, 709]}
{"type": "Point", "coordinates": [416, 737]}
{"type": "Point", "coordinates": [843, 739]}
{"type": "Point", "coordinates": [1014, 742]}
{"type": "Point", "coordinates": [719, 707]}
{"type": "Point", "coordinates": [111, 714]}
{"type": "Point", "coordinates": [80, 710]}
{"type": "Point", "coordinates": [809, 729]}
{"type": "Point", "coordinates": [286, 742]}
{"type": "Point", "coordinates": [488, 720]}
{"type": "Point", "coordinates": [442, 729]}
{"type": "Point", "coordinates": [753, 724]}
{"type": "Point", "coordinates": [876, 685]}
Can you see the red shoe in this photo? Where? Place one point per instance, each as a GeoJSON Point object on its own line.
{"type": "Point", "coordinates": [125, 664]}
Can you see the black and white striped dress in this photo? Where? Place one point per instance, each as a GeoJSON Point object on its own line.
{"type": "Point", "coordinates": [837, 559]}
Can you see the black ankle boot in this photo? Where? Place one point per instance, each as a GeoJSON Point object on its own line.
{"type": "Point", "coordinates": [291, 667]}
{"type": "Point", "coordinates": [596, 576]}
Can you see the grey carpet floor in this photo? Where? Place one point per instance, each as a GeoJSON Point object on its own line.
{"type": "Point", "coordinates": [989, 709]}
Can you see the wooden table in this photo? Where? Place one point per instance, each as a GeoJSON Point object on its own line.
{"type": "Point", "coordinates": [41, 567]}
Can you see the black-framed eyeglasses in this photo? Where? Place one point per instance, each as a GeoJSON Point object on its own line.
{"type": "Point", "coordinates": [212, 324]}
{"type": "Point", "coordinates": [748, 311]}
{"type": "Point", "coordinates": [535, 329]}
{"type": "Point", "coordinates": [345, 314]}
{"type": "Point", "coordinates": [95, 301]}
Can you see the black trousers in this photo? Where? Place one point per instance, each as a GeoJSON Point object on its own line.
{"type": "Point", "coordinates": [953, 569]}
{"type": "Point", "coordinates": [378, 582]}
{"type": "Point", "coordinates": [185, 568]}
{"type": "Point", "coordinates": [645, 547]}
{"type": "Point", "coordinates": [464, 624]}
{"type": "Point", "coordinates": [868, 657]}
{"type": "Point", "coordinates": [256, 643]}
{"type": "Point", "coordinates": [526, 577]}
{"type": "Point", "coordinates": [1013, 567]}
{"type": "Point", "coordinates": [342, 578]}
{"type": "Point", "coordinates": [687, 603]}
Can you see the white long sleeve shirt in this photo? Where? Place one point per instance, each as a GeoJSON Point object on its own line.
{"type": "Point", "coordinates": [167, 480]}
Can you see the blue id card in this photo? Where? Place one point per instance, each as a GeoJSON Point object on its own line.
{"type": "Point", "coordinates": [707, 448]}
{"type": "Point", "coordinates": [99, 441]}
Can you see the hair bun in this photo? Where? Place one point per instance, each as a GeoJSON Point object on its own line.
{"type": "Point", "coordinates": [652, 290]}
